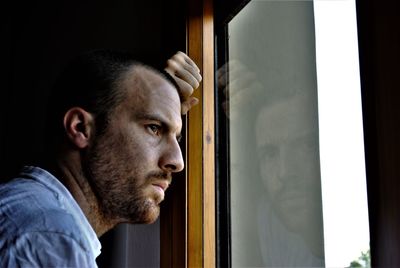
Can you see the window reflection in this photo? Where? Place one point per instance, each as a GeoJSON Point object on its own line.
{"type": "Point", "coordinates": [271, 89]}
{"type": "Point", "coordinates": [297, 179]}
{"type": "Point", "coordinates": [290, 212]}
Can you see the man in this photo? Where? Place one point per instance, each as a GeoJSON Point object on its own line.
{"type": "Point", "coordinates": [274, 144]}
{"type": "Point", "coordinates": [289, 220]}
{"type": "Point", "coordinates": [113, 134]}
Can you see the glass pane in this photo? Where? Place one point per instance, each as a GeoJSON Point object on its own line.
{"type": "Point", "coordinates": [298, 194]}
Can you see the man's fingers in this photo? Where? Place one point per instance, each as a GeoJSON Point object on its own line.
{"type": "Point", "coordinates": [187, 77]}
{"type": "Point", "coordinates": [181, 63]}
{"type": "Point", "coordinates": [184, 71]}
{"type": "Point", "coordinates": [190, 79]}
{"type": "Point", "coordinates": [175, 69]}
{"type": "Point", "coordinates": [185, 89]}
{"type": "Point", "coordinates": [188, 60]}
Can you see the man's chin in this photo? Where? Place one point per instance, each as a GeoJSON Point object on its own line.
{"type": "Point", "coordinates": [145, 211]}
{"type": "Point", "coordinates": [150, 215]}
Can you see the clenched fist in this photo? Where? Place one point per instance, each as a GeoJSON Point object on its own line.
{"type": "Point", "coordinates": [187, 76]}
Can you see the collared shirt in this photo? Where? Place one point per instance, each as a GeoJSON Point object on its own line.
{"type": "Point", "coordinates": [41, 225]}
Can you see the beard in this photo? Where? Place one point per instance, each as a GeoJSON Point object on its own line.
{"type": "Point", "coordinates": [119, 183]}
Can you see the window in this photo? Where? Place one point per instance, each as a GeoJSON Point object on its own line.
{"type": "Point", "coordinates": [291, 170]}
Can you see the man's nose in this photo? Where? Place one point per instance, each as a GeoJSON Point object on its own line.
{"type": "Point", "coordinates": [171, 160]}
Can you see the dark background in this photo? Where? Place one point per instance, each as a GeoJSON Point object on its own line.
{"type": "Point", "coordinates": [37, 39]}
{"type": "Point", "coordinates": [379, 43]}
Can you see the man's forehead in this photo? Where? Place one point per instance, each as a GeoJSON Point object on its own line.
{"type": "Point", "coordinates": [159, 87]}
{"type": "Point", "coordinates": [149, 92]}
{"type": "Point", "coordinates": [148, 78]}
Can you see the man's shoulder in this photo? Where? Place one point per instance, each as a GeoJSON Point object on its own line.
{"type": "Point", "coordinates": [45, 247]}
{"type": "Point", "coordinates": [20, 188]}
{"type": "Point", "coordinates": [38, 225]}
{"type": "Point", "coordinates": [28, 206]}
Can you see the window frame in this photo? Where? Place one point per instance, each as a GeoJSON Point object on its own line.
{"type": "Point", "coordinates": [188, 221]}
{"type": "Point", "coordinates": [224, 12]}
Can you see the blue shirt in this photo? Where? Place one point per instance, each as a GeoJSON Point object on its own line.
{"type": "Point", "coordinates": [41, 225]}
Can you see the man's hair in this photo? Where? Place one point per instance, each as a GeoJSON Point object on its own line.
{"type": "Point", "coordinates": [91, 81]}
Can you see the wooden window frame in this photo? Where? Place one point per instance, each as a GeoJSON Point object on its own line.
{"type": "Point", "coordinates": [188, 221]}
{"type": "Point", "coordinates": [201, 162]}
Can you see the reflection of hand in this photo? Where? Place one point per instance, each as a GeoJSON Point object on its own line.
{"type": "Point", "coordinates": [187, 76]}
{"type": "Point", "coordinates": [239, 86]}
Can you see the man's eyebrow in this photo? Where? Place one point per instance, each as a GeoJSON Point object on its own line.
{"type": "Point", "coordinates": [155, 117]}
{"type": "Point", "coordinates": [147, 116]}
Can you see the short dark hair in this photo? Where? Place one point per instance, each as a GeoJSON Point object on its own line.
{"type": "Point", "coordinates": [91, 81]}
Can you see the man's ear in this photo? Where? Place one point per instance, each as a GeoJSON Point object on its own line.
{"type": "Point", "coordinates": [79, 126]}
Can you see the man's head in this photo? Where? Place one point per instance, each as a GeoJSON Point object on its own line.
{"type": "Point", "coordinates": [287, 147]}
{"type": "Point", "coordinates": [123, 119]}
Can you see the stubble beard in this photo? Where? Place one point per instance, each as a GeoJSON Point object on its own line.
{"type": "Point", "coordinates": [119, 193]}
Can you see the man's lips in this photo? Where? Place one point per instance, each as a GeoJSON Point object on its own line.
{"type": "Point", "coordinates": [162, 184]}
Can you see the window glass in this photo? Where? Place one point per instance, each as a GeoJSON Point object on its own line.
{"type": "Point", "coordinates": [296, 160]}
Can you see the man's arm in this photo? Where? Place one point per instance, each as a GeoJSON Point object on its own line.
{"type": "Point", "coordinates": [187, 76]}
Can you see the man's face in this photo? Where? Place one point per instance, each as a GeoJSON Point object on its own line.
{"type": "Point", "coordinates": [130, 164]}
{"type": "Point", "coordinates": [287, 146]}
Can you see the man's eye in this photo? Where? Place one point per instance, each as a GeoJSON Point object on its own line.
{"type": "Point", "coordinates": [156, 129]}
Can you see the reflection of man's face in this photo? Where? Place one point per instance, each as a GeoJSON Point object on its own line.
{"type": "Point", "coordinates": [287, 146]}
{"type": "Point", "coordinates": [131, 163]}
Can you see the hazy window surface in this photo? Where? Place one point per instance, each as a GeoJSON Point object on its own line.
{"type": "Point", "coordinates": [298, 194]}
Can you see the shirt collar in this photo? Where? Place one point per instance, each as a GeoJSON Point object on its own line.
{"type": "Point", "coordinates": [47, 179]}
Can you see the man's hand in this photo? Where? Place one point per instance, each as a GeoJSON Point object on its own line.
{"type": "Point", "coordinates": [240, 87]}
{"type": "Point", "coordinates": [187, 76]}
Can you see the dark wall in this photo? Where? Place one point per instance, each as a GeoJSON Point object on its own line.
{"type": "Point", "coordinates": [379, 43]}
{"type": "Point", "coordinates": [37, 40]}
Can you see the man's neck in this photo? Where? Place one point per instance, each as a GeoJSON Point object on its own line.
{"type": "Point", "coordinates": [72, 177]}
